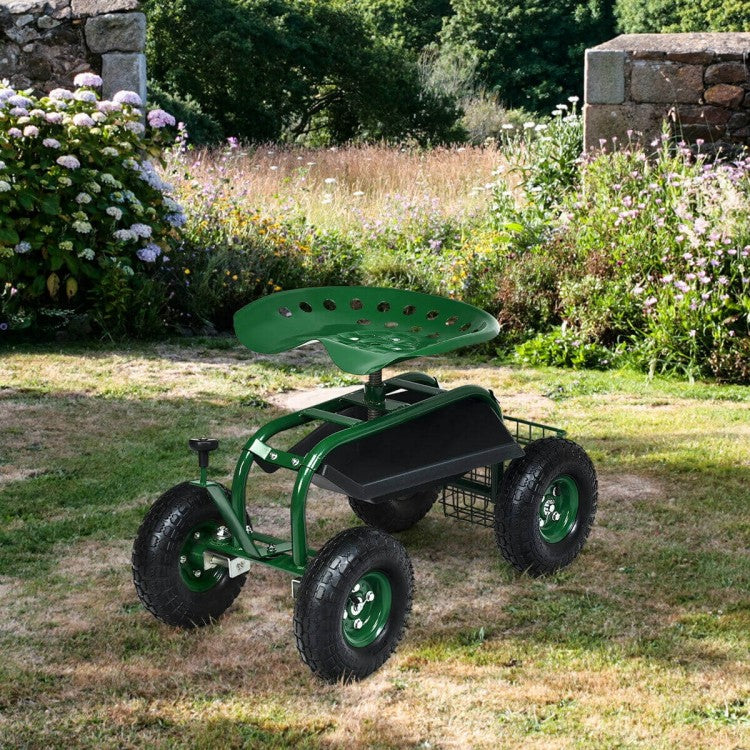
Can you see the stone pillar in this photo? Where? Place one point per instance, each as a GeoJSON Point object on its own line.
{"type": "Point", "coordinates": [44, 44]}
{"type": "Point", "coordinates": [120, 39]}
{"type": "Point", "coordinates": [698, 83]}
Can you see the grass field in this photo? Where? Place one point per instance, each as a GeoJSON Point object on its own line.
{"type": "Point", "coordinates": [643, 642]}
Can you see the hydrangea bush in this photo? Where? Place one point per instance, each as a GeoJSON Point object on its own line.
{"type": "Point", "coordinates": [79, 197]}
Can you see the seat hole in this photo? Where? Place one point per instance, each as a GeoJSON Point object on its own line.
{"type": "Point", "coordinates": [329, 304]}
{"type": "Point", "coordinates": [465, 327]}
{"type": "Point", "coordinates": [356, 304]}
{"type": "Point", "coordinates": [415, 329]}
{"type": "Point", "coordinates": [305, 307]}
{"type": "Point", "coordinates": [452, 320]}
{"type": "Point", "coordinates": [432, 314]}
{"type": "Point", "coordinates": [410, 310]}
{"type": "Point", "coordinates": [384, 306]}
{"type": "Point", "coordinates": [363, 322]}
{"type": "Point", "coordinates": [285, 312]}
{"type": "Point", "coordinates": [432, 335]}
{"type": "Point", "coordinates": [391, 324]}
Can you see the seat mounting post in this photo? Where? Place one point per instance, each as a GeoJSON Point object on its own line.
{"type": "Point", "coordinates": [375, 395]}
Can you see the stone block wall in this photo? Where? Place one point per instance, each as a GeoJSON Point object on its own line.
{"type": "Point", "coordinates": [45, 43]}
{"type": "Point", "coordinates": [699, 83]}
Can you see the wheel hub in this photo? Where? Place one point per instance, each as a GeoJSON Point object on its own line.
{"type": "Point", "coordinates": [191, 558]}
{"type": "Point", "coordinates": [367, 609]}
{"type": "Point", "coordinates": [558, 511]}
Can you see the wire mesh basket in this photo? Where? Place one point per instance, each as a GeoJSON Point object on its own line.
{"type": "Point", "coordinates": [472, 496]}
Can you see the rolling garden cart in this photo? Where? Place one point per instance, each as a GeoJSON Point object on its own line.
{"type": "Point", "coordinates": [393, 448]}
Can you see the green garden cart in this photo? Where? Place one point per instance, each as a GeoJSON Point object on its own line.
{"type": "Point", "coordinates": [393, 448]}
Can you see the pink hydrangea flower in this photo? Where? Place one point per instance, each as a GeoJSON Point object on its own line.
{"type": "Point", "coordinates": [61, 94]}
{"type": "Point", "coordinates": [54, 117]}
{"type": "Point", "coordinates": [83, 120]}
{"type": "Point", "coordinates": [15, 133]}
{"type": "Point", "coordinates": [51, 143]}
{"type": "Point", "coordinates": [107, 106]}
{"type": "Point", "coordinates": [31, 131]}
{"type": "Point", "coordinates": [127, 97]}
{"type": "Point", "coordinates": [158, 118]}
{"type": "Point", "coordinates": [69, 161]}
{"type": "Point", "coordinates": [88, 79]}
{"type": "Point", "coordinates": [85, 96]}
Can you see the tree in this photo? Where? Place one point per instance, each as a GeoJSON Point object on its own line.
{"type": "Point", "coordinates": [271, 69]}
{"type": "Point", "coordinates": [530, 52]}
{"type": "Point", "coordinates": [412, 23]}
{"type": "Point", "coordinates": [643, 16]}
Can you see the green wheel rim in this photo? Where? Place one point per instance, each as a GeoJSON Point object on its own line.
{"type": "Point", "coordinates": [367, 609]}
{"type": "Point", "coordinates": [191, 559]}
{"type": "Point", "coordinates": [558, 511]}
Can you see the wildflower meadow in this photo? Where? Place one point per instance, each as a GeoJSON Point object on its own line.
{"type": "Point", "coordinates": [114, 223]}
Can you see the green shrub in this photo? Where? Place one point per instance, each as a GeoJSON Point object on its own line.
{"type": "Point", "coordinates": [565, 348]}
{"type": "Point", "coordinates": [80, 204]}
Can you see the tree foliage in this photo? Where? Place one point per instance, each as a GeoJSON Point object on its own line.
{"type": "Point", "coordinates": [530, 51]}
{"type": "Point", "coordinates": [275, 69]}
{"type": "Point", "coordinates": [644, 16]}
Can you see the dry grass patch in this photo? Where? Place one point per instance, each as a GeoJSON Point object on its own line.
{"type": "Point", "coordinates": [641, 643]}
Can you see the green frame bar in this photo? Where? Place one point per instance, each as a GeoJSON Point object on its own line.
{"type": "Point", "coordinates": [245, 544]}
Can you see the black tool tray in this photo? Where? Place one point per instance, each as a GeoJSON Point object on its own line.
{"type": "Point", "coordinates": [420, 453]}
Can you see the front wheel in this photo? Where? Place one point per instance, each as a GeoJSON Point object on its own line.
{"type": "Point", "coordinates": [352, 604]}
{"type": "Point", "coordinates": [168, 560]}
{"type": "Point", "coordinates": [546, 507]}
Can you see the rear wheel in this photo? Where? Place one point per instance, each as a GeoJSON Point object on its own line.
{"type": "Point", "coordinates": [168, 560]}
{"type": "Point", "coordinates": [352, 604]}
{"type": "Point", "coordinates": [396, 514]}
{"type": "Point", "coordinates": [547, 506]}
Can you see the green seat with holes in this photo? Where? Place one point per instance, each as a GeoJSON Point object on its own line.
{"type": "Point", "coordinates": [363, 328]}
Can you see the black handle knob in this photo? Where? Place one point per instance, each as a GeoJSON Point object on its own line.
{"type": "Point", "coordinates": [203, 446]}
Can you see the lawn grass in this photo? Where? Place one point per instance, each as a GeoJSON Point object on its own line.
{"type": "Point", "coordinates": [643, 642]}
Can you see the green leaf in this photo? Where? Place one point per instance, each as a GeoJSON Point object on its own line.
{"type": "Point", "coordinates": [26, 200]}
{"type": "Point", "coordinates": [51, 205]}
{"type": "Point", "coordinates": [9, 236]}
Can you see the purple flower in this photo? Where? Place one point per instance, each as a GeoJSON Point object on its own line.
{"type": "Point", "coordinates": [31, 131]}
{"type": "Point", "coordinates": [149, 253]}
{"type": "Point", "coordinates": [681, 285]}
{"type": "Point", "coordinates": [135, 127]}
{"type": "Point", "coordinates": [158, 118]}
{"type": "Point", "coordinates": [123, 235]}
{"type": "Point", "coordinates": [60, 94]}
{"type": "Point", "coordinates": [68, 161]}
{"type": "Point", "coordinates": [19, 101]}
{"type": "Point", "coordinates": [19, 112]}
{"type": "Point", "coordinates": [141, 230]}
{"type": "Point", "coordinates": [88, 79]}
{"type": "Point", "coordinates": [6, 93]}
{"type": "Point", "coordinates": [54, 117]}
{"type": "Point", "coordinates": [23, 247]}
{"type": "Point", "coordinates": [15, 133]}
{"type": "Point", "coordinates": [107, 106]}
{"type": "Point", "coordinates": [83, 120]}
{"type": "Point", "coordinates": [85, 96]}
{"type": "Point", "coordinates": [127, 97]}
{"type": "Point", "coordinates": [650, 301]}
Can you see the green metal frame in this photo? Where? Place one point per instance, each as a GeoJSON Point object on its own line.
{"type": "Point", "coordinates": [292, 555]}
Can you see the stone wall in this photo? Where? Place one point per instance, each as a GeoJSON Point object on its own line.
{"type": "Point", "coordinates": [699, 83]}
{"type": "Point", "coordinates": [45, 43]}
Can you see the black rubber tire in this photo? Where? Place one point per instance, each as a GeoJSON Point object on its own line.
{"type": "Point", "coordinates": [398, 513]}
{"type": "Point", "coordinates": [517, 510]}
{"type": "Point", "coordinates": [323, 594]}
{"type": "Point", "coordinates": [156, 560]}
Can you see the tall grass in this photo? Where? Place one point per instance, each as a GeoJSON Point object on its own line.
{"type": "Point", "coordinates": [339, 188]}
